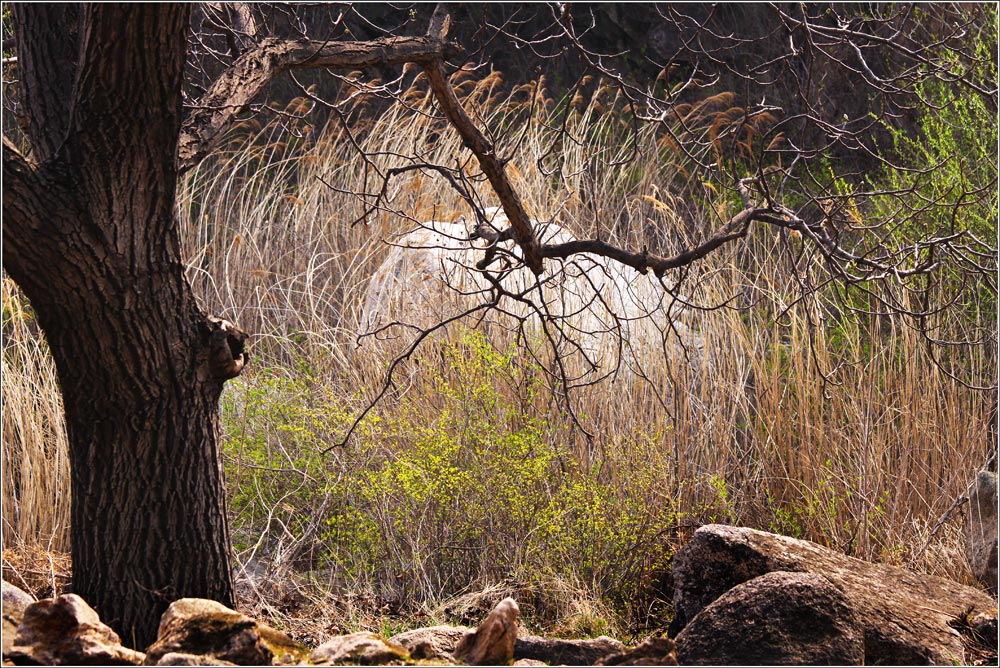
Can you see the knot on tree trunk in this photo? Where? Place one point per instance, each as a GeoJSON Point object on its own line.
{"type": "Point", "coordinates": [227, 353]}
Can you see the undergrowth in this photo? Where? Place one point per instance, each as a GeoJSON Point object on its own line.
{"type": "Point", "coordinates": [463, 484]}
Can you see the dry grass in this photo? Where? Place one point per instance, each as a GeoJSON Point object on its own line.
{"type": "Point", "coordinates": [41, 572]}
{"type": "Point", "coordinates": [796, 419]}
{"type": "Point", "coordinates": [35, 459]}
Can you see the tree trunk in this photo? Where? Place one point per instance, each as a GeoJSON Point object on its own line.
{"type": "Point", "coordinates": [89, 223]}
{"type": "Point", "coordinates": [91, 237]}
{"type": "Point", "coordinates": [148, 511]}
{"type": "Point", "coordinates": [149, 516]}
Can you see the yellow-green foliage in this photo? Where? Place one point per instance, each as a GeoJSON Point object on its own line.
{"type": "Point", "coordinates": [424, 504]}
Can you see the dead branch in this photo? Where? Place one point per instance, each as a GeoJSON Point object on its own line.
{"type": "Point", "coordinates": [492, 166]}
{"type": "Point", "coordinates": [237, 87]}
{"type": "Point", "coordinates": [642, 262]}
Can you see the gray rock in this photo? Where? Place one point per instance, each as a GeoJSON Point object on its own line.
{"type": "Point", "coordinates": [432, 642]}
{"type": "Point", "coordinates": [981, 529]}
{"type": "Point", "coordinates": [195, 626]}
{"type": "Point", "coordinates": [492, 643]}
{"type": "Point", "coordinates": [67, 631]}
{"type": "Point", "coordinates": [14, 597]}
{"type": "Point", "coordinates": [365, 649]}
{"type": "Point", "coordinates": [780, 618]}
{"type": "Point", "coordinates": [559, 652]}
{"type": "Point", "coordinates": [905, 615]}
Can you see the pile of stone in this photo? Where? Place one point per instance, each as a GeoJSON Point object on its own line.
{"type": "Point", "coordinates": [742, 597]}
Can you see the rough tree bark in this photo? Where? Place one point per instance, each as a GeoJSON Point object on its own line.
{"type": "Point", "coordinates": [91, 238]}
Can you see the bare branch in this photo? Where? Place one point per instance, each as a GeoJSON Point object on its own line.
{"type": "Point", "coordinates": [492, 166]}
{"type": "Point", "coordinates": [402, 357]}
{"type": "Point", "coordinates": [243, 81]}
{"type": "Point", "coordinates": [644, 261]}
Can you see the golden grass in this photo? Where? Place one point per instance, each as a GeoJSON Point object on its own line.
{"type": "Point", "coordinates": [35, 458]}
{"type": "Point", "coordinates": [41, 572]}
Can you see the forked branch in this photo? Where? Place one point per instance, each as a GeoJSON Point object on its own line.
{"type": "Point", "coordinates": [521, 230]}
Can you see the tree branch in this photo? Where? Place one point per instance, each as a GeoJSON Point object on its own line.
{"type": "Point", "coordinates": [494, 169]}
{"type": "Point", "coordinates": [242, 82]}
{"type": "Point", "coordinates": [644, 261]}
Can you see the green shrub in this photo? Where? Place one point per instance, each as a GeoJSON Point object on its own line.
{"type": "Point", "coordinates": [460, 483]}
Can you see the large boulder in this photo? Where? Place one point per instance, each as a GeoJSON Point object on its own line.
{"type": "Point", "coordinates": [981, 529]}
{"type": "Point", "coordinates": [492, 643]}
{"type": "Point", "coordinates": [195, 626]}
{"type": "Point", "coordinates": [360, 649]}
{"type": "Point", "coordinates": [780, 618]}
{"type": "Point", "coordinates": [907, 618]}
{"type": "Point", "coordinates": [559, 652]}
{"type": "Point", "coordinates": [66, 631]}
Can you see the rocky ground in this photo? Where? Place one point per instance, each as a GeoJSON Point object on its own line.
{"type": "Point", "coordinates": [741, 597]}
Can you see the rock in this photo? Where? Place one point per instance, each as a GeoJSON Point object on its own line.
{"type": "Point", "coordinates": [555, 651]}
{"type": "Point", "coordinates": [905, 616]}
{"type": "Point", "coordinates": [286, 651]}
{"type": "Point", "coordinates": [195, 626]}
{"type": "Point", "coordinates": [67, 631]}
{"type": "Point", "coordinates": [14, 597]}
{"type": "Point", "coordinates": [439, 642]}
{"type": "Point", "coordinates": [492, 643]}
{"type": "Point", "coordinates": [182, 659]}
{"type": "Point", "coordinates": [651, 652]}
{"type": "Point", "coordinates": [15, 600]}
{"type": "Point", "coordinates": [782, 619]}
{"type": "Point", "coordinates": [365, 649]}
{"type": "Point", "coordinates": [9, 631]}
{"type": "Point", "coordinates": [984, 627]}
{"type": "Point", "coordinates": [433, 642]}
{"type": "Point", "coordinates": [981, 633]}
{"type": "Point", "coordinates": [981, 529]}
